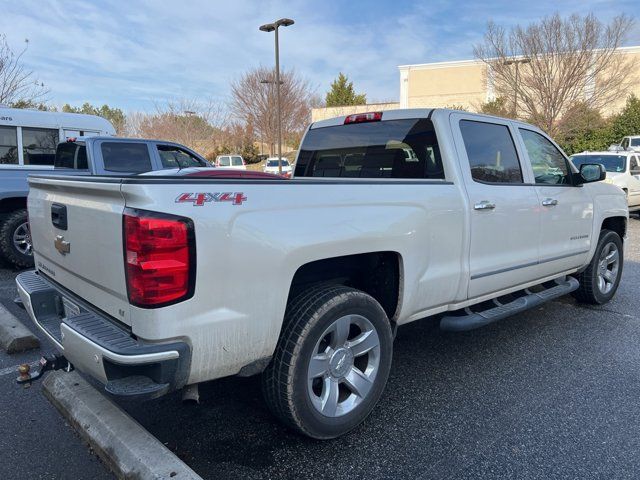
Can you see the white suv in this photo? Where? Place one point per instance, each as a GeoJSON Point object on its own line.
{"type": "Point", "coordinates": [623, 170]}
{"type": "Point", "coordinates": [631, 142]}
{"type": "Point", "coordinates": [271, 166]}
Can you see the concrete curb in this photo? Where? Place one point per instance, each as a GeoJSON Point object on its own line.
{"type": "Point", "coordinates": [123, 445]}
{"type": "Point", "coordinates": [14, 336]}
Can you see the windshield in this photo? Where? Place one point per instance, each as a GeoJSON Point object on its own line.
{"type": "Point", "coordinates": [612, 163]}
{"type": "Point", "coordinates": [236, 161]}
{"type": "Point", "coordinates": [224, 162]}
{"type": "Point", "coordinates": [634, 142]}
{"type": "Point", "coordinates": [274, 163]}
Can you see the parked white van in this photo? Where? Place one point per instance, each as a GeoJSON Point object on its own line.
{"type": "Point", "coordinates": [28, 138]}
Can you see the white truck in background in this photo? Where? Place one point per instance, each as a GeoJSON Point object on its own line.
{"type": "Point", "coordinates": [623, 170]}
{"type": "Point", "coordinates": [154, 283]}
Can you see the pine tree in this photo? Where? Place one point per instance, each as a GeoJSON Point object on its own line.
{"type": "Point", "coordinates": [342, 93]}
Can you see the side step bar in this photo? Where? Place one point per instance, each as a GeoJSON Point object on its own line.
{"type": "Point", "coordinates": [470, 320]}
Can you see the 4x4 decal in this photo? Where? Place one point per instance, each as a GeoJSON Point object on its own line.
{"type": "Point", "coordinates": [199, 199]}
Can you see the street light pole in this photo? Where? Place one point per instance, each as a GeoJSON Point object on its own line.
{"type": "Point", "coordinates": [516, 62]}
{"type": "Point", "coordinates": [273, 27]}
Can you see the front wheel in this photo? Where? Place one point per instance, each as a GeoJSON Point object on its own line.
{"type": "Point", "coordinates": [599, 282]}
{"type": "Point", "coordinates": [331, 363]}
{"type": "Point", "coordinates": [15, 239]}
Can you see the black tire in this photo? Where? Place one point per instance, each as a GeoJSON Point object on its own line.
{"type": "Point", "coordinates": [9, 250]}
{"type": "Point", "coordinates": [589, 290]}
{"type": "Point", "coordinates": [285, 382]}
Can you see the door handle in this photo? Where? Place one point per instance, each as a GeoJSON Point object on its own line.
{"type": "Point", "coordinates": [549, 202]}
{"type": "Point", "coordinates": [59, 215]}
{"type": "Point", "coordinates": [484, 205]}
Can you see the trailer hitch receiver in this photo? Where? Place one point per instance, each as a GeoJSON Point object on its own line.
{"type": "Point", "coordinates": [46, 363]}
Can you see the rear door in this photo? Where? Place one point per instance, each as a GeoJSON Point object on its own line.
{"type": "Point", "coordinates": [76, 228]}
{"type": "Point", "coordinates": [566, 211]}
{"type": "Point", "coordinates": [504, 213]}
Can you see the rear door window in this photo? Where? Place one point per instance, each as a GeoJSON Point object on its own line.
{"type": "Point", "coordinates": [236, 161]}
{"type": "Point", "coordinates": [224, 162]}
{"type": "Point", "coordinates": [8, 145]}
{"type": "Point", "coordinates": [491, 152]}
{"type": "Point", "coordinates": [125, 157]}
{"type": "Point", "coordinates": [39, 145]}
{"type": "Point", "coordinates": [387, 149]}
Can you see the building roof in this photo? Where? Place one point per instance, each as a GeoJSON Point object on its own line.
{"type": "Point", "coordinates": [466, 63]}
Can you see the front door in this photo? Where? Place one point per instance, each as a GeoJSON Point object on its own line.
{"type": "Point", "coordinates": [503, 206]}
{"type": "Point", "coordinates": [566, 211]}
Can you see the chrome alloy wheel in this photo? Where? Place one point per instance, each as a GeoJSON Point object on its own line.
{"type": "Point", "coordinates": [344, 365]}
{"type": "Point", "coordinates": [608, 265]}
{"type": "Point", "coordinates": [22, 239]}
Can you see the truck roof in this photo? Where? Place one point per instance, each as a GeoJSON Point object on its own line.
{"type": "Point", "coordinates": [408, 113]}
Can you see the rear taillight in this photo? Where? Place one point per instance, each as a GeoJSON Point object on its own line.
{"type": "Point", "coordinates": [159, 258]}
{"type": "Point", "coordinates": [363, 118]}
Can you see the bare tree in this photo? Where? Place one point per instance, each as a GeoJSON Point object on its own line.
{"type": "Point", "coordinates": [548, 66]}
{"type": "Point", "coordinates": [17, 84]}
{"type": "Point", "coordinates": [196, 124]}
{"type": "Point", "coordinates": [253, 101]}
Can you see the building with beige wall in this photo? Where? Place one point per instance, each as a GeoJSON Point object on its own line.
{"type": "Point", "coordinates": [461, 84]}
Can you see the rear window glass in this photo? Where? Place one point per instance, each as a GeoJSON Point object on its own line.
{"type": "Point", "coordinates": [387, 149]}
{"type": "Point", "coordinates": [274, 163]}
{"type": "Point", "coordinates": [126, 157]}
{"type": "Point", "coordinates": [71, 155]}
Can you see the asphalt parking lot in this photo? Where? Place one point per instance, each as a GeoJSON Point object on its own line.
{"type": "Point", "coordinates": [552, 393]}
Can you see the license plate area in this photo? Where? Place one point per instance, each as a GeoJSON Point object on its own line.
{"type": "Point", "coordinates": [69, 308]}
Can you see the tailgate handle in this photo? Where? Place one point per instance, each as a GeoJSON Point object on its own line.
{"type": "Point", "coordinates": [59, 216]}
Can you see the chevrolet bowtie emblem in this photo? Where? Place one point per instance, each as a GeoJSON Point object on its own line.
{"type": "Point", "coordinates": [61, 245]}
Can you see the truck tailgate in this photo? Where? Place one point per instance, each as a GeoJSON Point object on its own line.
{"type": "Point", "coordinates": [76, 228]}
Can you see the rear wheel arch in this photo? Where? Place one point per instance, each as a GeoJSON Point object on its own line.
{"type": "Point", "coordinates": [379, 274]}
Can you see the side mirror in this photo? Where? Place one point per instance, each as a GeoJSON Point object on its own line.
{"type": "Point", "coordinates": [591, 172]}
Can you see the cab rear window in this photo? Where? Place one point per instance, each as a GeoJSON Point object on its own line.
{"type": "Point", "coordinates": [388, 149]}
{"type": "Point", "coordinates": [125, 157]}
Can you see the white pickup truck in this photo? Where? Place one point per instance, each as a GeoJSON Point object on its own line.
{"type": "Point", "coordinates": [153, 283]}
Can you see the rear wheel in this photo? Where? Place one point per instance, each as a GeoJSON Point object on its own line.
{"type": "Point", "coordinates": [15, 239]}
{"type": "Point", "coordinates": [599, 282]}
{"type": "Point", "coordinates": [331, 363]}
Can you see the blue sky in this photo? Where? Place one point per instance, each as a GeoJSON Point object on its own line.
{"type": "Point", "coordinates": [134, 54]}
